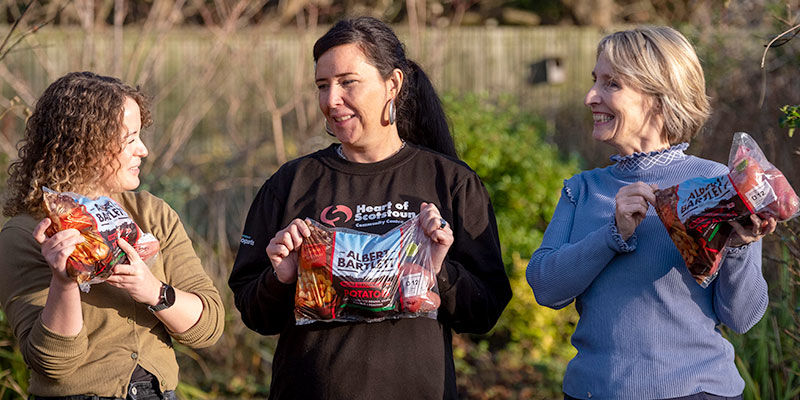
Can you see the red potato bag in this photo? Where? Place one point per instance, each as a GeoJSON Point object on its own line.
{"type": "Point", "coordinates": [100, 222]}
{"type": "Point", "coordinates": [347, 275]}
{"type": "Point", "coordinates": [697, 211]}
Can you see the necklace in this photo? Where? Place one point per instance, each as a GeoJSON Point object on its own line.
{"type": "Point", "coordinates": [341, 154]}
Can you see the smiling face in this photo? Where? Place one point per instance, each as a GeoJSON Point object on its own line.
{"type": "Point", "coordinates": [354, 97]}
{"type": "Point", "coordinates": [624, 117]}
{"type": "Point", "coordinates": [127, 162]}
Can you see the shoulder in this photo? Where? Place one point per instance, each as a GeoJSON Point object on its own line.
{"type": "Point", "coordinates": [150, 212]}
{"type": "Point", "coordinates": [20, 223]}
{"type": "Point", "coordinates": [142, 202]}
{"type": "Point", "coordinates": [18, 246]}
{"type": "Point", "coordinates": [453, 167]}
{"type": "Point", "coordinates": [578, 183]}
{"type": "Point", "coordinates": [304, 166]}
{"type": "Point", "coordinates": [705, 167]}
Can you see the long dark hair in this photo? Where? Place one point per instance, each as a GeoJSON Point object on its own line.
{"type": "Point", "coordinates": [74, 129]}
{"type": "Point", "coordinates": [420, 116]}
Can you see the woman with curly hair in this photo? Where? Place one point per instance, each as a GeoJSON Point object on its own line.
{"type": "Point", "coordinates": [84, 136]}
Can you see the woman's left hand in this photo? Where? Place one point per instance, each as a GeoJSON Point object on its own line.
{"type": "Point", "coordinates": [135, 278]}
{"type": "Point", "coordinates": [439, 231]}
{"type": "Point", "coordinates": [761, 227]}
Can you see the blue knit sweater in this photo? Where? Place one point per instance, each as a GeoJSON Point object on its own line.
{"type": "Point", "coordinates": [647, 330]}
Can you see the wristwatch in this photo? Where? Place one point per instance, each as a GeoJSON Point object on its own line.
{"type": "Point", "coordinates": [166, 298]}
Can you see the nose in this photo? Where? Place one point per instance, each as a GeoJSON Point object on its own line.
{"type": "Point", "coordinates": [331, 97]}
{"type": "Point", "coordinates": [141, 150]}
{"type": "Point", "coordinates": [592, 97]}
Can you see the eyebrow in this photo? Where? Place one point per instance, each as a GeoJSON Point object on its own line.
{"type": "Point", "coordinates": [337, 76]}
{"type": "Point", "coordinates": [605, 76]}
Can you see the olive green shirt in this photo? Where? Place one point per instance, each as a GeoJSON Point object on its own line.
{"type": "Point", "coordinates": [118, 333]}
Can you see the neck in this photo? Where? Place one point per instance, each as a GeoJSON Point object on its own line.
{"type": "Point", "coordinates": [372, 153]}
{"type": "Point", "coordinates": [644, 146]}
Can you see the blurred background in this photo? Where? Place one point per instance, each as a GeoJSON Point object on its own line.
{"type": "Point", "coordinates": [234, 97]}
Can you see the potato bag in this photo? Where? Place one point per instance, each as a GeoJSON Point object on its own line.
{"type": "Point", "coordinates": [100, 221]}
{"type": "Point", "coordinates": [698, 211]}
{"type": "Point", "coordinates": [347, 275]}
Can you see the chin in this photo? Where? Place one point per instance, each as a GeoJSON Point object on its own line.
{"type": "Point", "coordinates": [130, 186]}
{"type": "Point", "coordinates": [601, 137]}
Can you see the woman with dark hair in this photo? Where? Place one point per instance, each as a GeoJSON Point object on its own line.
{"type": "Point", "coordinates": [395, 160]}
{"type": "Point", "coordinates": [115, 341]}
{"type": "Point", "coordinates": [647, 330]}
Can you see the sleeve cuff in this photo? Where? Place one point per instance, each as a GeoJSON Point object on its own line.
{"type": "Point", "coordinates": [740, 249]}
{"type": "Point", "coordinates": [447, 277]}
{"type": "Point", "coordinates": [59, 346]}
{"type": "Point", "coordinates": [275, 287]}
{"type": "Point", "coordinates": [619, 244]}
{"type": "Point", "coordinates": [208, 328]}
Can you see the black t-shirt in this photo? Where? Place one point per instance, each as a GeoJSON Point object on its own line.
{"type": "Point", "coordinates": [392, 359]}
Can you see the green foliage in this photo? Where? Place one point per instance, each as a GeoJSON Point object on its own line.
{"type": "Point", "coordinates": [13, 372]}
{"type": "Point", "coordinates": [790, 118]}
{"type": "Point", "coordinates": [526, 355]}
{"type": "Point", "coordinates": [523, 174]}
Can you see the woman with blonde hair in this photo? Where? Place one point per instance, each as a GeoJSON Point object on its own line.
{"type": "Point", "coordinates": [114, 342]}
{"type": "Point", "coordinates": [647, 330]}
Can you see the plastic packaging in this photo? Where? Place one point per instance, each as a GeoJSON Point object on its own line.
{"type": "Point", "coordinates": [100, 222]}
{"type": "Point", "coordinates": [697, 211]}
{"type": "Point", "coordinates": [346, 275]}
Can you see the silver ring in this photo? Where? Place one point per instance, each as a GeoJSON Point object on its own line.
{"type": "Point", "coordinates": [442, 223]}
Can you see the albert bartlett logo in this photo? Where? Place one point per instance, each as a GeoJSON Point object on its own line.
{"type": "Point", "coordinates": [333, 214]}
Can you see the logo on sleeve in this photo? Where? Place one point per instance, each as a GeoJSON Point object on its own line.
{"type": "Point", "coordinates": [332, 214]}
{"type": "Point", "coordinates": [247, 240]}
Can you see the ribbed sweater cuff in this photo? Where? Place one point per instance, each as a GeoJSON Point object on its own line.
{"type": "Point", "coordinates": [619, 244]}
{"type": "Point", "coordinates": [201, 332]}
{"type": "Point", "coordinates": [58, 346]}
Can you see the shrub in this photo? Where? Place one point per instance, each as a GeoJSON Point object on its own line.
{"type": "Point", "coordinates": [527, 352]}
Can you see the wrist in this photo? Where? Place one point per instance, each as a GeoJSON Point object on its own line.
{"type": "Point", "coordinates": [166, 298]}
{"type": "Point", "coordinates": [63, 283]}
{"type": "Point", "coordinates": [284, 280]}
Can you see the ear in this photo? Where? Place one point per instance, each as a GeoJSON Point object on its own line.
{"type": "Point", "coordinates": [657, 107]}
{"type": "Point", "coordinates": [395, 82]}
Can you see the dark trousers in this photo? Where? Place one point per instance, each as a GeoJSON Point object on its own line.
{"type": "Point", "coordinates": [136, 391]}
{"type": "Point", "coordinates": [696, 396]}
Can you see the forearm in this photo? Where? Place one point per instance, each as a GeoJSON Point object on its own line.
{"type": "Point", "coordinates": [184, 314]}
{"type": "Point", "coordinates": [62, 312]}
{"type": "Point", "coordinates": [559, 272]}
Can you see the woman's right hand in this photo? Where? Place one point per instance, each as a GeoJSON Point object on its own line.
{"type": "Point", "coordinates": [57, 248]}
{"type": "Point", "coordinates": [632, 204]}
{"type": "Point", "coordinates": [281, 250]}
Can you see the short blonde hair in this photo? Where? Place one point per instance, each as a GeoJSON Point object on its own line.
{"type": "Point", "coordinates": [660, 62]}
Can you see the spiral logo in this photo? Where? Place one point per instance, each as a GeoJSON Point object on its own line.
{"type": "Point", "coordinates": [333, 214]}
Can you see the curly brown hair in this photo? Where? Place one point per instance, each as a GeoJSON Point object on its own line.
{"type": "Point", "coordinates": [70, 138]}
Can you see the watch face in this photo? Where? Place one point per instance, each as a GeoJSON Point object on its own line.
{"type": "Point", "coordinates": [169, 295]}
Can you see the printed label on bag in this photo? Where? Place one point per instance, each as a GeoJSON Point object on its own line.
{"type": "Point", "coordinates": [413, 285]}
{"type": "Point", "coordinates": [700, 194]}
{"type": "Point", "coordinates": [760, 195]}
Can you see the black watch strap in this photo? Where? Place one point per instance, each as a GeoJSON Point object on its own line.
{"type": "Point", "coordinates": [166, 298]}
